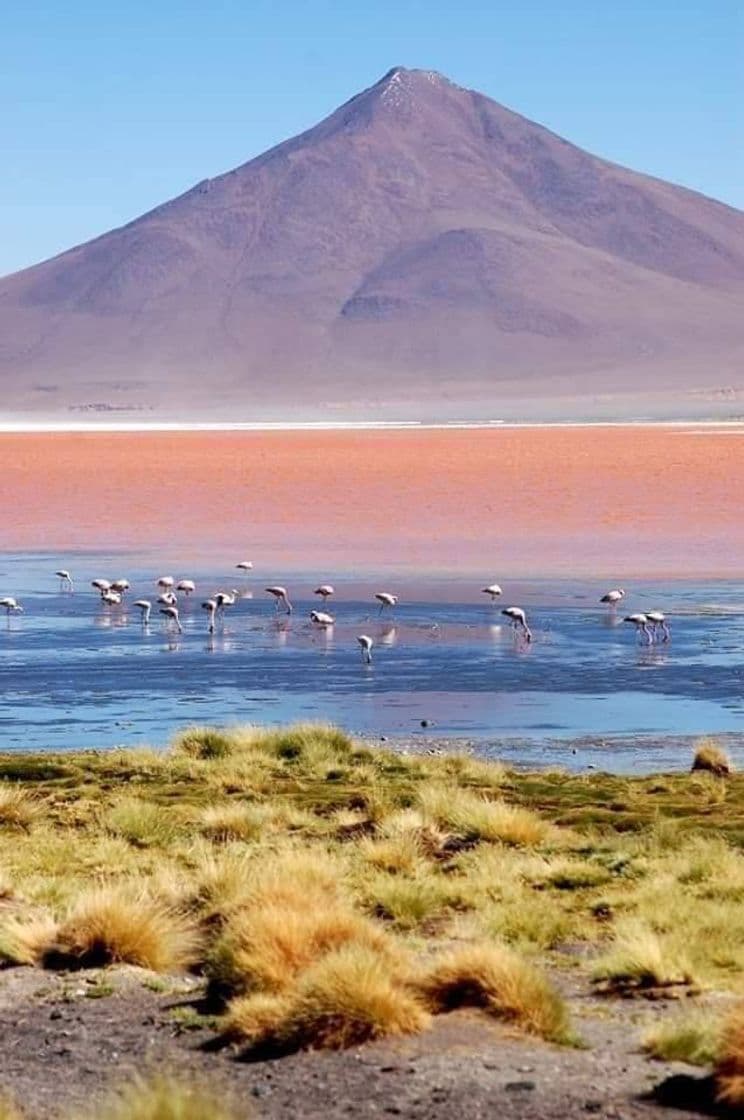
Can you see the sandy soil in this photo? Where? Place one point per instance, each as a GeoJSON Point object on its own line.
{"type": "Point", "coordinates": [605, 501]}
{"type": "Point", "coordinates": [63, 1050]}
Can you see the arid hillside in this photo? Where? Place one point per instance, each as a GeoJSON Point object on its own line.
{"type": "Point", "coordinates": [423, 252]}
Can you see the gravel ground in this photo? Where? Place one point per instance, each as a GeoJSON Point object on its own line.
{"type": "Point", "coordinates": [67, 1039]}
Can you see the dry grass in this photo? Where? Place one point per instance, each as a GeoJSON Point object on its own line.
{"type": "Point", "coordinates": [495, 979]}
{"type": "Point", "coordinates": [473, 815]}
{"type": "Point", "coordinates": [642, 961]}
{"type": "Point", "coordinates": [343, 1000]}
{"type": "Point", "coordinates": [24, 939]}
{"type": "Point", "coordinates": [414, 902]}
{"type": "Point", "coordinates": [264, 857]}
{"type": "Point", "coordinates": [141, 823]}
{"type": "Point", "coordinates": [19, 808]}
{"type": "Point", "coordinates": [8, 1109]}
{"type": "Point", "coordinates": [729, 1068]}
{"type": "Point", "coordinates": [265, 946]}
{"type": "Point", "coordinates": [692, 1038]}
{"type": "Point", "coordinates": [204, 743]}
{"type": "Point", "coordinates": [166, 1098]}
{"type": "Point", "coordinates": [234, 821]}
{"type": "Point", "coordinates": [125, 925]}
{"type": "Point", "coordinates": [711, 758]}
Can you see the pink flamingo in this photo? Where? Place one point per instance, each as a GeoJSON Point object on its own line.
{"type": "Point", "coordinates": [518, 621]}
{"type": "Point", "coordinates": [280, 596]}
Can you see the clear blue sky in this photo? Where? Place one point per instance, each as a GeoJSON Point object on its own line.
{"type": "Point", "coordinates": [109, 109]}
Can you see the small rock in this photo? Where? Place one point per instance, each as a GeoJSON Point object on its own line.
{"type": "Point", "coordinates": [55, 1014]}
{"type": "Point", "coordinates": [519, 1086]}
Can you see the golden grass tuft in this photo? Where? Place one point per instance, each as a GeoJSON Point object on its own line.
{"type": "Point", "coordinates": [124, 924]}
{"type": "Point", "coordinates": [23, 939]}
{"type": "Point", "coordinates": [315, 744]}
{"type": "Point", "coordinates": [267, 945]}
{"type": "Point", "coordinates": [165, 1098]}
{"type": "Point", "coordinates": [729, 1068]}
{"type": "Point", "coordinates": [205, 743]}
{"type": "Point", "coordinates": [297, 876]}
{"type": "Point", "coordinates": [19, 808]}
{"type": "Point", "coordinates": [345, 999]}
{"type": "Point", "coordinates": [141, 823]}
{"type": "Point", "coordinates": [503, 984]}
{"type": "Point", "coordinates": [711, 758]}
{"type": "Point", "coordinates": [234, 821]}
{"type": "Point", "coordinates": [473, 815]}
{"type": "Point", "coordinates": [256, 1018]}
{"type": "Point", "coordinates": [643, 961]}
{"type": "Point", "coordinates": [7, 890]}
{"type": "Point", "coordinates": [416, 900]}
{"type": "Point", "coordinates": [686, 1038]}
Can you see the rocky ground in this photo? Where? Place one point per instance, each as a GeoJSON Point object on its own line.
{"type": "Point", "coordinates": [68, 1038]}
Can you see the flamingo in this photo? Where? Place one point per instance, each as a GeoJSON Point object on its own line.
{"type": "Point", "coordinates": [168, 598]}
{"type": "Point", "coordinates": [640, 621]}
{"type": "Point", "coordinates": [385, 599]}
{"type": "Point", "coordinates": [659, 622]}
{"type": "Point", "coordinates": [11, 605]}
{"type": "Point", "coordinates": [518, 620]}
{"type": "Point", "coordinates": [325, 591]}
{"type": "Point", "coordinates": [612, 598]}
{"type": "Point", "coordinates": [280, 596]}
{"type": "Point", "coordinates": [321, 618]}
{"type": "Point", "coordinates": [210, 605]}
{"type": "Point", "coordinates": [111, 598]}
{"type": "Point", "coordinates": [171, 615]}
{"type": "Point", "coordinates": [493, 590]}
{"type": "Point", "coordinates": [120, 585]}
{"type": "Point", "coordinates": [366, 643]}
{"type": "Point", "coordinates": [65, 580]}
{"type": "Point", "coordinates": [244, 565]}
{"type": "Point", "coordinates": [166, 583]}
{"type": "Point", "coordinates": [226, 599]}
{"type": "Point", "coordinates": [145, 606]}
{"type": "Point", "coordinates": [186, 585]}
{"type": "Point", "coordinates": [101, 585]}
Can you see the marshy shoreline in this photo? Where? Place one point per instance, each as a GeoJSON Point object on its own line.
{"type": "Point", "coordinates": [304, 924]}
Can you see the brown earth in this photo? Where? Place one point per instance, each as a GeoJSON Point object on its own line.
{"type": "Point", "coordinates": [63, 1050]}
{"type": "Point", "coordinates": [609, 501]}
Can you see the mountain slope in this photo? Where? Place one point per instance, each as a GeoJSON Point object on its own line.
{"type": "Point", "coordinates": [423, 251]}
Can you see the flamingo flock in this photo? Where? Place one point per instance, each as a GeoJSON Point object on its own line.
{"type": "Point", "coordinates": [650, 625]}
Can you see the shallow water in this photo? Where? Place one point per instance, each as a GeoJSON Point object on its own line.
{"type": "Point", "coordinates": [76, 674]}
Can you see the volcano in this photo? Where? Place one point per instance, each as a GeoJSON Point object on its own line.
{"type": "Point", "coordinates": [422, 253]}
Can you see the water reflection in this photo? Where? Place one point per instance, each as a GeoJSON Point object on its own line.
{"type": "Point", "coordinates": [387, 635]}
{"type": "Point", "coordinates": [279, 629]}
{"type": "Point", "coordinates": [451, 661]}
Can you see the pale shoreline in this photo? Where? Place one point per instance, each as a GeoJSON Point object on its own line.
{"type": "Point", "coordinates": [52, 427]}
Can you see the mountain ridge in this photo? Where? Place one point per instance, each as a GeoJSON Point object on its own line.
{"type": "Point", "coordinates": [420, 244]}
